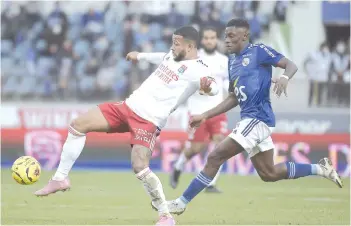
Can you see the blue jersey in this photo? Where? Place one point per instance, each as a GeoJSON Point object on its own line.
{"type": "Point", "coordinates": [250, 74]}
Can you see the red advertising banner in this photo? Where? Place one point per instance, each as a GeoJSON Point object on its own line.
{"type": "Point", "coordinates": [102, 149]}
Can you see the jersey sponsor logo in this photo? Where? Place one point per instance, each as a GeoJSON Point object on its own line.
{"type": "Point", "coordinates": [182, 69]}
{"type": "Point", "coordinates": [267, 51]}
{"type": "Point", "coordinates": [245, 61]}
{"type": "Point", "coordinates": [143, 135]}
{"type": "Point", "coordinates": [166, 74]}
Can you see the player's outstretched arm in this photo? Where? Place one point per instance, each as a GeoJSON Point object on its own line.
{"type": "Point", "coordinates": [282, 83]}
{"type": "Point", "coordinates": [227, 104]}
{"type": "Point", "coordinates": [154, 58]}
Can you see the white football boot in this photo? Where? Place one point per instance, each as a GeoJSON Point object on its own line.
{"type": "Point", "coordinates": [329, 172]}
{"type": "Point", "coordinates": [175, 206]}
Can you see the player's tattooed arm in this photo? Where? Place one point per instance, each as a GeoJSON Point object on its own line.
{"type": "Point", "coordinates": [282, 83]}
{"type": "Point", "coordinates": [227, 104]}
{"type": "Point", "coordinates": [154, 58]}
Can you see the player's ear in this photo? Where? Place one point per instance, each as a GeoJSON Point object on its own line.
{"type": "Point", "coordinates": [246, 35]}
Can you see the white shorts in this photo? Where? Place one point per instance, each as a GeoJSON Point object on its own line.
{"type": "Point", "coordinates": [253, 135]}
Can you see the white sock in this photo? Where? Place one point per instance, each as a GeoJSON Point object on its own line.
{"type": "Point", "coordinates": [154, 188]}
{"type": "Point", "coordinates": [179, 165]}
{"type": "Point", "coordinates": [317, 170]}
{"type": "Point", "coordinates": [213, 182]}
{"type": "Point", "coordinates": [70, 152]}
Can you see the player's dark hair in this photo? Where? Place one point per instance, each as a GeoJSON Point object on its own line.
{"type": "Point", "coordinates": [210, 28]}
{"type": "Point", "coordinates": [188, 32]}
{"type": "Point", "coordinates": [238, 23]}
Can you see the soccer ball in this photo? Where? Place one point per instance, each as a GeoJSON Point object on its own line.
{"type": "Point", "coordinates": [26, 170]}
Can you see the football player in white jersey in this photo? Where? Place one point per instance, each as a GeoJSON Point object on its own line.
{"type": "Point", "coordinates": [214, 128]}
{"type": "Point", "coordinates": [180, 74]}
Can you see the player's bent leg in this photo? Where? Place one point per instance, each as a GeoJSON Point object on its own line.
{"type": "Point", "coordinates": [140, 162]}
{"type": "Point", "coordinates": [225, 150]}
{"type": "Point", "coordinates": [93, 120]}
{"type": "Point", "coordinates": [192, 149]}
{"type": "Point", "coordinates": [264, 165]}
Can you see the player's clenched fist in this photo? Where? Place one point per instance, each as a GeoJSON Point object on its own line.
{"type": "Point", "coordinates": [132, 56]}
{"type": "Point", "coordinates": [196, 120]}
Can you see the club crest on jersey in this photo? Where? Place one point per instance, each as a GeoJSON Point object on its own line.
{"type": "Point", "coordinates": [182, 69]}
{"type": "Point", "coordinates": [245, 62]}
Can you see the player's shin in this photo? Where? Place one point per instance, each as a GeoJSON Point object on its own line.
{"type": "Point", "coordinates": [153, 187]}
{"type": "Point", "coordinates": [196, 186]}
{"type": "Point", "coordinates": [179, 165]}
{"type": "Point", "coordinates": [214, 181]}
{"type": "Point", "coordinates": [70, 152]}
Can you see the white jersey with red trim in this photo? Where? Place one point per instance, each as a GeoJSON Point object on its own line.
{"type": "Point", "coordinates": [218, 63]}
{"type": "Point", "coordinates": [169, 86]}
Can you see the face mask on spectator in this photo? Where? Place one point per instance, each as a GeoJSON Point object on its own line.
{"type": "Point", "coordinates": [340, 48]}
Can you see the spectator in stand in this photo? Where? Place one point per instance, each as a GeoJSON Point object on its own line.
{"type": "Point", "coordinates": [255, 27]}
{"type": "Point", "coordinates": [174, 18]}
{"type": "Point", "coordinates": [93, 24]}
{"type": "Point", "coordinates": [240, 7]}
{"type": "Point", "coordinates": [12, 20]}
{"type": "Point", "coordinates": [56, 27]}
{"type": "Point", "coordinates": [33, 13]}
{"type": "Point", "coordinates": [339, 76]}
{"type": "Point", "coordinates": [317, 67]}
{"type": "Point", "coordinates": [65, 60]}
{"type": "Point", "coordinates": [280, 10]}
{"type": "Point", "coordinates": [128, 44]}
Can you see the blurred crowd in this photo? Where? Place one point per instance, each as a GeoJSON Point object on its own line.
{"type": "Point", "coordinates": [74, 55]}
{"type": "Point", "coordinates": [328, 69]}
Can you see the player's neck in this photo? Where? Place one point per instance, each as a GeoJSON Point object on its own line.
{"type": "Point", "coordinates": [192, 56]}
{"type": "Point", "coordinates": [245, 45]}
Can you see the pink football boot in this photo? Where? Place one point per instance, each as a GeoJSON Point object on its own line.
{"type": "Point", "coordinates": [54, 186]}
{"type": "Point", "coordinates": [166, 219]}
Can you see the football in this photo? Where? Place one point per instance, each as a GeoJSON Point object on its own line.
{"type": "Point", "coordinates": [26, 170]}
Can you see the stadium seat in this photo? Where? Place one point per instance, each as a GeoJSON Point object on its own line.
{"type": "Point", "coordinates": [6, 47]}
{"type": "Point", "coordinates": [82, 48]}
{"type": "Point", "coordinates": [155, 31]}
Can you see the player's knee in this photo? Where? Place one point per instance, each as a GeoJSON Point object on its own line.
{"type": "Point", "coordinates": [214, 160]}
{"type": "Point", "coordinates": [138, 166]}
{"type": "Point", "coordinates": [267, 175]}
{"type": "Point", "coordinates": [191, 152]}
{"type": "Point", "coordinates": [80, 125]}
{"type": "Point", "coordinates": [217, 138]}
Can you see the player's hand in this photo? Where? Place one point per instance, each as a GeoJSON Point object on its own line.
{"type": "Point", "coordinates": [280, 86]}
{"type": "Point", "coordinates": [196, 120]}
{"type": "Point", "coordinates": [205, 85]}
{"type": "Point", "coordinates": [132, 56]}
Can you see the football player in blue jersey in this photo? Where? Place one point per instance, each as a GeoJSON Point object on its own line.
{"type": "Point", "coordinates": [250, 76]}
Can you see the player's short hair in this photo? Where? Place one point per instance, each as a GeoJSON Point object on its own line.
{"type": "Point", "coordinates": [238, 23]}
{"type": "Point", "coordinates": [209, 28]}
{"type": "Point", "coordinates": [189, 33]}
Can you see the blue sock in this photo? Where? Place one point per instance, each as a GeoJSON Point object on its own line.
{"type": "Point", "coordinates": [196, 186]}
{"type": "Point", "coordinates": [296, 170]}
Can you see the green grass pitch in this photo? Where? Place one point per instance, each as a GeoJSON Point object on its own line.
{"type": "Point", "coordinates": [98, 198]}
